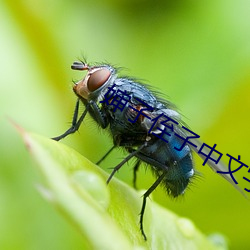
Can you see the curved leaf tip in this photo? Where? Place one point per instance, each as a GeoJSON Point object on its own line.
{"type": "Point", "coordinates": [107, 216]}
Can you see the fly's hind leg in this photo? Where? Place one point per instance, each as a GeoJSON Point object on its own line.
{"type": "Point", "coordinates": [145, 196]}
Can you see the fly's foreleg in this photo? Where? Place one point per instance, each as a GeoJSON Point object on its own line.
{"type": "Point", "coordinates": [75, 123]}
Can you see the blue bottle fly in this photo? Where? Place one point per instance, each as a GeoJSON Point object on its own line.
{"type": "Point", "coordinates": [148, 127]}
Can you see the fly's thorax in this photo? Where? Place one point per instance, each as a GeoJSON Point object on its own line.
{"type": "Point", "coordinates": [96, 80]}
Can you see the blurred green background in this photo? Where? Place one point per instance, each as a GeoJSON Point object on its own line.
{"type": "Point", "coordinates": [195, 52]}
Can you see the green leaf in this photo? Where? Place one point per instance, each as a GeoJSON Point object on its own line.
{"type": "Point", "coordinates": [107, 215]}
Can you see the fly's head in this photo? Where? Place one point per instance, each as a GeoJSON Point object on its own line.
{"type": "Point", "coordinates": [96, 79]}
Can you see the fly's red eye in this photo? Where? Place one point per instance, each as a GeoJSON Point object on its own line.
{"type": "Point", "coordinates": [97, 79]}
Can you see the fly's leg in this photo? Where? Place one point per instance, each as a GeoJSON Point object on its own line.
{"type": "Point", "coordinates": [105, 155]}
{"type": "Point", "coordinates": [97, 114]}
{"type": "Point", "coordinates": [124, 161]}
{"type": "Point", "coordinates": [75, 124]}
{"type": "Point", "coordinates": [145, 196]}
{"type": "Point", "coordinates": [136, 167]}
{"type": "Point", "coordinates": [91, 107]}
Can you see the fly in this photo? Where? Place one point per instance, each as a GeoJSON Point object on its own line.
{"type": "Point", "coordinates": [148, 127]}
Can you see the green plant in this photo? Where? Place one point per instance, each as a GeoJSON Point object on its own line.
{"type": "Point", "coordinates": [106, 215]}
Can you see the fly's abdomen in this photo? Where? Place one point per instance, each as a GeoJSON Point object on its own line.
{"type": "Point", "coordinates": [179, 165]}
{"type": "Point", "coordinates": [162, 155]}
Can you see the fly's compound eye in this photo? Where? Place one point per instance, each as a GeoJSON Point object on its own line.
{"type": "Point", "coordinates": [97, 79]}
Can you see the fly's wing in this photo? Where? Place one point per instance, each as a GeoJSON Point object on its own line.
{"type": "Point", "coordinates": [175, 116]}
{"type": "Point", "coordinates": [217, 167]}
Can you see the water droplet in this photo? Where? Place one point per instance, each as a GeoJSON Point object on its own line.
{"type": "Point", "coordinates": [95, 186]}
{"type": "Point", "coordinates": [187, 227]}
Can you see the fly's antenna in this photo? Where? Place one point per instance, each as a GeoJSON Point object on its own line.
{"type": "Point", "coordinates": [80, 66]}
